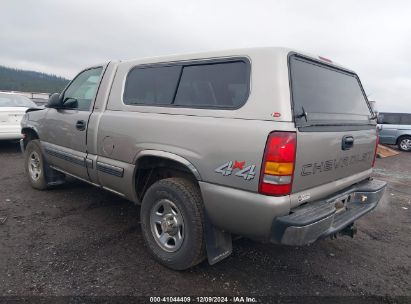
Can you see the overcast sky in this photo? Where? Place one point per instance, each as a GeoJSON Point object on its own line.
{"type": "Point", "coordinates": [61, 37]}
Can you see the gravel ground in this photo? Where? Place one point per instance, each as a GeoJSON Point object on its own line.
{"type": "Point", "coordinates": [80, 240]}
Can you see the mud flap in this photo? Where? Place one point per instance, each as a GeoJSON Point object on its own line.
{"type": "Point", "coordinates": [219, 244]}
{"type": "Point", "coordinates": [53, 177]}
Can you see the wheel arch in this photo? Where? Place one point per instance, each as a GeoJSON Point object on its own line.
{"type": "Point", "coordinates": [29, 134]}
{"type": "Point", "coordinates": [153, 165]}
{"type": "Point", "coordinates": [401, 137]}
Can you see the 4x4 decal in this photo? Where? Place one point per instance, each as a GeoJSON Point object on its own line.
{"type": "Point", "coordinates": [246, 172]}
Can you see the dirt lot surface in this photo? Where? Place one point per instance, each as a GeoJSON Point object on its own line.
{"type": "Point", "coordinates": [80, 240]}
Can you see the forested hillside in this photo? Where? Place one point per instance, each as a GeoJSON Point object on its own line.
{"type": "Point", "coordinates": [30, 81]}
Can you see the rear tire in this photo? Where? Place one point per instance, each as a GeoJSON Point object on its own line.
{"type": "Point", "coordinates": [35, 165]}
{"type": "Point", "coordinates": [172, 220]}
{"type": "Point", "coordinates": [404, 143]}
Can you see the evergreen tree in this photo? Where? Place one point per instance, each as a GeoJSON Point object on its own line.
{"type": "Point", "coordinates": [30, 81]}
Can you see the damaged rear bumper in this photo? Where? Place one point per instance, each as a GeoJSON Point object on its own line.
{"type": "Point", "coordinates": [327, 217]}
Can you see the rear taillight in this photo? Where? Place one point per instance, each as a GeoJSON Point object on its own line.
{"type": "Point", "coordinates": [377, 141]}
{"type": "Point", "coordinates": [278, 164]}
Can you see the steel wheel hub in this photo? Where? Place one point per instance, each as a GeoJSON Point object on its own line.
{"type": "Point", "coordinates": [167, 225]}
{"type": "Point", "coordinates": [34, 165]}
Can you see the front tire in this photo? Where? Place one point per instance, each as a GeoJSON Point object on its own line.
{"type": "Point", "coordinates": [35, 166]}
{"type": "Point", "coordinates": [172, 220]}
{"type": "Point", "coordinates": [404, 143]}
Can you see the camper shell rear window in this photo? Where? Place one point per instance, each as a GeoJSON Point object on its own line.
{"type": "Point", "coordinates": [325, 95]}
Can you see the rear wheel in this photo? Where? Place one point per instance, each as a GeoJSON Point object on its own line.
{"type": "Point", "coordinates": [34, 164]}
{"type": "Point", "coordinates": [172, 220]}
{"type": "Point", "coordinates": [404, 143]}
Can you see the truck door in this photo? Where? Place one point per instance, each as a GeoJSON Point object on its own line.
{"type": "Point", "coordinates": [65, 143]}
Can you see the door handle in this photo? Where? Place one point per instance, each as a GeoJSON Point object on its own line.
{"type": "Point", "coordinates": [347, 142]}
{"type": "Point", "coordinates": [81, 125]}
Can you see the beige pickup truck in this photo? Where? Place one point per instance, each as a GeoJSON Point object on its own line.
{"type": "Point", "coordinates": [267, 143]}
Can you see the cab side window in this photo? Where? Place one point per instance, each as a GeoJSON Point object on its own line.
{"type": "Point", "coordinates": [213, 85]}
{"type": "Point", "coordinates": [82, 90]}
{"type": "Point", "coordinates": [219, 85]}
{"type": "Point", "coordinates": [151, 85]}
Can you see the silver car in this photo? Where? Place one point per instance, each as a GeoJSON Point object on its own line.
{"type": "Point", "coordinates": [395, 129]}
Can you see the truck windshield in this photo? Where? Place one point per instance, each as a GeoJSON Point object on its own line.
{"type": "Point", "coordinates": [326, 95]}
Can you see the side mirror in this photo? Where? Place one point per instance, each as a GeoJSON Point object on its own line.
{"type": "Point", "coordinates": [70, 103]}
{"type": "Point", "coordinates": [54, 101]}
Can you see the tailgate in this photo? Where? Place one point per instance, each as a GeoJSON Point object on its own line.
{"type": "Point", "coordinates": [323, 157]}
